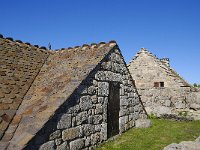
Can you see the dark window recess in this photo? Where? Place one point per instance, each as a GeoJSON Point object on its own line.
{"type": "Point", "coordinates": [113, 109]}
{"type": "Point", "coordinates": [159, 84]}
{"type": "Point", "coordinates": [156, 84]}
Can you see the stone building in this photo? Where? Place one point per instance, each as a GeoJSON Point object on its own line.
{"type": "Point", "coordinates": [162, 90]}
{"type": "Point", "coordinates": [73, 98]}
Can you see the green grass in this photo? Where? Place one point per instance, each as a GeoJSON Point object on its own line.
{"type": "Point", "coordinates": [161, 134]}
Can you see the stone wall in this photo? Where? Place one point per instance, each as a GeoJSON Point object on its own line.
{"type": "Point", "coordinates": [19, 65]}
{"type": "Point", "coordinates": [81, 122]}
{"type": "Point", "coordinates": [176, 94]}
{"type": "Point", "coordinates": [161, 101]}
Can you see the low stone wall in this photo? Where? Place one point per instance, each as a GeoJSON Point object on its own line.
{"type": "Point", "coordinates": [159, 101]}
{"type": "Point", "coordinates": [81, 122]}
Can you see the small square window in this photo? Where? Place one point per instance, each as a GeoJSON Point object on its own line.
{"type": "Point", "coordinates": [156, 84]}
{"type": "Point", "coordinates": [159, 84]}
{"type": "Point", "coordinates": [162, 84]}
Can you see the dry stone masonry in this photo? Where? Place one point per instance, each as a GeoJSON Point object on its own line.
{"type": "Point", "coordinates": [161, 89]}
{"type": "Point", "coordinates": [83, 124]}
{"type": "Point", "coordinates": [76, 99]}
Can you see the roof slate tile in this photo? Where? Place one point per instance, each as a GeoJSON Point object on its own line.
{"type": "Point", "coordinates": [15, 58]}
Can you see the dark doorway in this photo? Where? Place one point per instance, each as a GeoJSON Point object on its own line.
{"type": "Point", "coordinates": [113, 109]}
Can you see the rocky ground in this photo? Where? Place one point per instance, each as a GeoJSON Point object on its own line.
{"type": "Point", "coordinates": [185, 145]}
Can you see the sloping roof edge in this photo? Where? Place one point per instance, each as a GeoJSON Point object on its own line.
{"type": "Point", "coordinates": [160, 62]}
{"type": "Point", "coordinates": [26, 47]}
{"type": "Point", "coordinates": [28, 136]}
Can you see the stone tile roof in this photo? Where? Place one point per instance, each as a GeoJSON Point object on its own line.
{"type": "Point", "coordinates": [61, 74]}
{"type": "Point", "coordinates": [19, 65]}
{"type": "Point", "coordinates": [171, 72]}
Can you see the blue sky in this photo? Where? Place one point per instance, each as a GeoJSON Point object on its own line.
{"type": "Point", "coordinates": [167, 28]}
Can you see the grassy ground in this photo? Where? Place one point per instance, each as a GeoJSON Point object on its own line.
{"type": "Point", "coordinates": [161, 134]}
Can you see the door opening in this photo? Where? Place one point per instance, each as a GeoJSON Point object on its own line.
{"type": "Point", "coordinates": [113, 109]}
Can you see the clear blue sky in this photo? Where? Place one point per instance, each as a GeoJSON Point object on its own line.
{"type": "Point", "coordinates": [167, 28]}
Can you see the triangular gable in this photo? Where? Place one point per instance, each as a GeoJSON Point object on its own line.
{"type": "Point", "coordinates": [59, 77]}
{"type": "Point", "coordinates": [171, 73]}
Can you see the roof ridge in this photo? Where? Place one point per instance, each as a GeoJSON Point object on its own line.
{"type": "Point", "coordinates": [160, 63]}
{"type": "Point", "coordinates": [92, 45]}
{"type": "Point", "coordinates": [43, 48]}
{"type": "Point", "coordinates": [142, 50]}
{"type": "Point", "coordinates": [178, 75]}
{"type": "Point", "coordinates": [170, 69]}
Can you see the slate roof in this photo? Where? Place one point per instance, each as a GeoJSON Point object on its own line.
{"type": "Point", "coordinates": [19, 65]}
{"type": "Point", "coordinates": [60, 75]}
{"type": "Point", "coordinates": [171, 72]}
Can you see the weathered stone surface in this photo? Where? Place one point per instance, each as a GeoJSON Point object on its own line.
{"type": "Point", "coordinates": [98, 127]}
{"type": "Point", "coordinates": [48, 146]}
{"type": "Point", "coordinates": [95, 138]}
{"type": "Point", "coordinates": [94, 99]}
{"type": "Point", "coordinates": [180, 105]}
{"type": "Point", "coordinates": [99, 109]}
{"type": "Point", "coordinates": [167, 103]}
{"type": "Point", "coordinates": [124, 100]}
{"type": "Point", "coordinates": [124, 111]}
{"type": "Point", "coordinates": [55, 135]}
{"type": "Point", "coordinates": [82, 117]}
{"type": "Point", "coordinates": [160, 110]}
{"type": "Point", "coordinates": [85, 102]}
{"type": "Point", "coordinates": [77, 144]}
{"type": "Point", "coordinates": [71, 133]}
{"type": "Point", "coordinates": [65, 121]}
{"type": "Point", "coordinates": [63, 146]}
{"type": "Point", "coordinates": [143, 123]}
{"type": "Point", "coordinates": [104, 131]}
{"type": "Point", "coordinates": [92, 90]}
{"type": "Point", "coordinates": [122, 124]}
{"type": "Point", "coordinates": [58, 141]}
{"type": "Point", "coordinates": [103, 89]}
{"type": "Point", "coordinates": [87, 141]}
{"type": "Point", "coordinates": [101, 100]}
{"type": "Point", "coordinates": [88, 129]}
{"type": "Point", "coordinates": [195, 106]}
{"type": "Point", "coordinates": [74, 110]}
{"type": "Point", "coordinates": [97, 119]}
{"type": "Point", "coordinates": [185, 145]}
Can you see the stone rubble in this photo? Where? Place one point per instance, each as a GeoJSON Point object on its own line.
{"type": "Point", "coordinates": [143, 123]}
{"type": "Point", "coordinates": [185, 145]}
